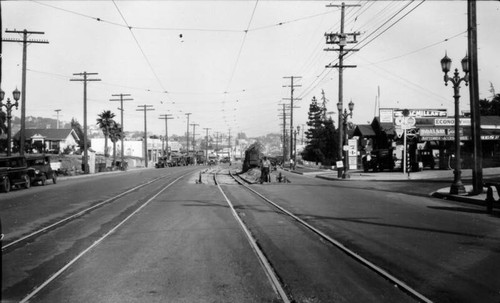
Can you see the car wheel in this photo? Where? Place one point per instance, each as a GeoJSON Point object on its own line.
{"type": "Point", "coordinates": [27, 181]}
{"type": "Point", "coordinates": [43, 180]}
{"type": "Point", "coordinates": [6, 185]}
{"type": "Point", "coordinates": [54, 178]}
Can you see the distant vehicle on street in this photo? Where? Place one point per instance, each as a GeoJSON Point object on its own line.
{"type": "Point", "coordinates": [43, 169]}
{"type": "Point", "coordinates": [378, 160]}
{"type": "Point", "coordinates": [14, 171]}
{"type": "Point", "coordinates": [163, 162]}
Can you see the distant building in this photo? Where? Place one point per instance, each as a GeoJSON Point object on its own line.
{"type": "Point", "coordinates": [50, 139]}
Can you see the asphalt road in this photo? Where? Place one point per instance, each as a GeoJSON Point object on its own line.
{"type": "Point", "coordinates": [179, 242]}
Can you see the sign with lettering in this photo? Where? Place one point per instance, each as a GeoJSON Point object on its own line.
{"type": "Point", "coordinates": [423, 113]}
{"type": "Point", "coordinates": [451, 122]}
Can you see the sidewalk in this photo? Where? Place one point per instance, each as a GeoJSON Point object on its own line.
{"type": "Point", "coordinates": [442, 193]}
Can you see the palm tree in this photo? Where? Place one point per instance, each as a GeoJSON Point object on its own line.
{"type": "Point", "coordinates": [115, 135]}
{"type": "Point", "coordinates": [105, 123]}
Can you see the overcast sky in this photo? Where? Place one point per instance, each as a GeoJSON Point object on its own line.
{"type": "Point", "coordinates": [225, 61]}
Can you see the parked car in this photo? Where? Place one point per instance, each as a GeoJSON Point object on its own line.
{"type": "Point", "coordinates": [14, 172]}
{"type": "Point", "coordinates": [378, 160]}
{"type": "Point", "coordinates": [43, 169]}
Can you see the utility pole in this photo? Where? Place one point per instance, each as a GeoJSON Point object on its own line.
{"type": "Point", "coordinates": [57, 114]}
{"type": "Point", "coordinates": [206, 144]}
{"type": "Point", "coordinates": [341, 39]}
{"type": "Point", "coordinates": [477, 168]}
{"type": "Point", "coordinates": [121, 116]}
{"type": "Point", "coordinates": [25, 42]}
{"type": "Point", "coordinates": [284, 142]}
{"type": "Point", "coordinates": [216, 143]}
{"type": "Point", "coordinates": [166, 117]}
{"type": "Point", "coordinates": [85, 79]}
{"type": "Point", "coordinates": [292, 88]}
{"type": "Point", "coordinates": [145, 108]}
{"type": "Point", "coordinates": [229, 142]}
{"type": "Point", "coordinates": [194, 134]}
{"type": "Point", "coordinates": [187, 134]}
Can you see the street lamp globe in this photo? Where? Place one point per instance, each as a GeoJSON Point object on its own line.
{"type": "Point", "coordinates": [17, 94]}
{"type": "Point", "coordinates": [465, 64]}
{"type": "Point", "coordinates": [339, 106]}
{"type": "Point", "coordinates": [351, 106]}
{"type": "Point", "coordinates": [446, 63]}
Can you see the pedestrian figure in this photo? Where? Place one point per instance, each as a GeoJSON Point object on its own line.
{"type": "Point", "coordinates": [292, 166]}
{"type": "Point", "coordinates": [264, 171]}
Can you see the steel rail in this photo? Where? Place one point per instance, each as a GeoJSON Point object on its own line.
{"type": "Point", "coordinates": [78, 214]}
{"type": "Point", "coordinates": [399, 283]}
{"type": "Point", "coordinates": [270, 273]}
{"type": "Point", "coordinates": [97, 242]}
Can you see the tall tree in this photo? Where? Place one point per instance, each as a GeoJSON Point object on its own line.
{"type": "Point", "coordinates": [105, 123]}
{"type": "Point", "coordinates": [320, 135]}
{"type": "Point", "coordinates": [77, 127]}
{"type": "Point", "coordinates": [490, 107]}
{"type": "Point", "coordinates": [115, 135]}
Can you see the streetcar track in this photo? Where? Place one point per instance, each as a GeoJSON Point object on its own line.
{"type": "Point", "coordinates": [266, 264]}
{"type": "Point", "coordinates": [103, 237]}
{"type": "Point", "coordinates": [324, 237]}
{"type": "Point", "coordinates": [32, 235]}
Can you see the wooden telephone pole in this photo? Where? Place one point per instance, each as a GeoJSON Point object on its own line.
{"type": "Point", "coordinates": [145, 108]}
{"type": "Point", "coordinates": [477, 169]}
{"type": "Point", "coordinates": [25, 42]}
{"type": "Point", "coordinates": [292, 89]}
{"type": "Point", "coordinates": [166, 117]}
{"type": "Point", "coordinates": [121, 118]}
{"type": "Point", "coordinates": [341, 39]}
{"type": "Point", "coordinates": [85, 160]}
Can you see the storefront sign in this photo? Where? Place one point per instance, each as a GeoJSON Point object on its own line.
{"type": "Point", "coordinates": [439, 132]}
{"type": "Point", "coordinates": [451, 122]}
{"type": "Point", "coordinates": [462, 138]}
{"type": "Point", "coordinates": [423, 113]}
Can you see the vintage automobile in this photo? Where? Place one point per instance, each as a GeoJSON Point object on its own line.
{"type": "Point", "coordinates": [163, 162]}
{"type": "Point", "coordinates": [15, 172]}
{"type": "Point", "coordinates": [43, 170]}
{"type": "Point", "coordinates": [378, 160]}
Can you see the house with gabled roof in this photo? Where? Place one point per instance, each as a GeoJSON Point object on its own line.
{"type": "Point", "coordinates": [51, 139]}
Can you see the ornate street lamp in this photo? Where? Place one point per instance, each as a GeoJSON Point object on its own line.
{"type": "Point", "coordinates": [457, 187]}
{"type": "Point", "coordinates": [8, 107]}
{"type": "Point", "coordinates": [344, 137]}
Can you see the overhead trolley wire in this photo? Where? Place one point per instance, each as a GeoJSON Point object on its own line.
{"type": "Point", "coordinates": [140, 48]}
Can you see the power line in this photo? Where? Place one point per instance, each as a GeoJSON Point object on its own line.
{"type": "Point", "coordinates": [140, 48]}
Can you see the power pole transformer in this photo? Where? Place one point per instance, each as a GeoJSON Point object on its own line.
{"type": "Point", "coordinates": [25, 42]}
{"type": "Point", "coordinates": [341, 39]}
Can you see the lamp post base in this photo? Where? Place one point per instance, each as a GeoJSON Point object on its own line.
{"type": "Point", "coordinates": [457, 187]}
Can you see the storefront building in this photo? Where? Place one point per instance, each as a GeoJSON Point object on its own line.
{"type": "Point", "coordinates": [430, 137]}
